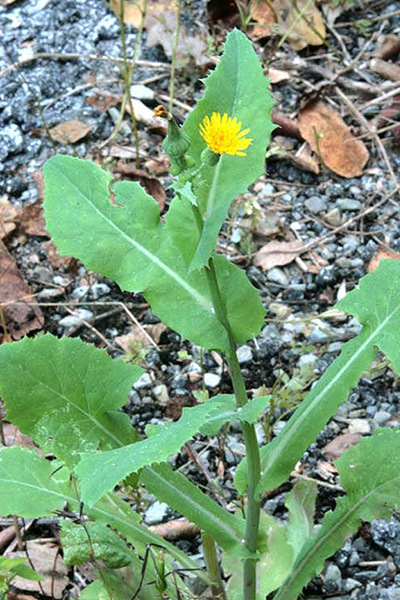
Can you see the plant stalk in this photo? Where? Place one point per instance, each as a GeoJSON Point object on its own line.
{"type": "Point", "coordinates": [211, 560]}
{"type": "Point", "coordinates": [250, 440]}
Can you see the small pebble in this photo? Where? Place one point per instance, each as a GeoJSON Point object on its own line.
{"type": "Point", "coordinates": [244, 354]}
{"type": "Point", "coordinates": [333, 217]}
{"type": "Point", "coordinates": [156, 513]}
{"type": "Point", "coordinates": [348, 204]}
{"type": "Point", "coordinates": [80, 292]}
{"type": "Point", "coordinates": [143, 382]}
{"type": "Point", "coordinates": [49, 294]}
{"type": "Point", "coordinates": [315, 204]}
{"type": "Point", "coordinates": [160, 393]}
{"type": "Point", "coordinates": [211, 380]}
{"type": "Point", "coordinates": [142, 92]}
{"type": "Point", "coordinates": [382, 417]}
{"type": "Point", "coordinates": [100, 289]}
{"type": "Point", "coordinates": [360, 426]}
{"type": "Point", "coordinates": [276, 275]}
{"type": "Point", "coordinates": [76, 319]}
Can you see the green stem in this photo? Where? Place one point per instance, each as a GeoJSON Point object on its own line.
{"type": "Point", "coordinates": [250, 440]}
{"type": "Point", "coordinates": [211, 560]}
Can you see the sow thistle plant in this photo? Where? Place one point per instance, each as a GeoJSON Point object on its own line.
{"type": "Point", "coordinates": [68, 395]}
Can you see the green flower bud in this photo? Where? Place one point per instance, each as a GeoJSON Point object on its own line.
{"type": "Point", "coordinates": [209, 157]}
{"type": "Point", "coordinates": [177, 142]}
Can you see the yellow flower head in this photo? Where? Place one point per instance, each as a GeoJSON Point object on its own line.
{"type": "Point", "coordinates": [222, 136]}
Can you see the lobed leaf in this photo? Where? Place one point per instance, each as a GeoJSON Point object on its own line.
{"type": "Point", "coordinates": [377, 304]}
{"type": "Point", "coordinates": [125, 240]}
{"type": "Point", "coordinates": [100, 472]}
{"type": "Point", "coordinates": [30, 485]}
{"type": "Point", "coordinates": [369, 473]}
{"type": "Point", "coordinates": [238, 87]}
{"type": "Point", "coordinates": [65, 394]}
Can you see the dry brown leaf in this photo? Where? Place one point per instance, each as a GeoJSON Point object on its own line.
{"type": "Point", "coordinates": [332, 140]}
{"type": "Point", "coordinates": [161, 29]}
{"type": "Point", "coordinates": [157, 166]}
{"type": "Point", "coordinates": [265, 18]}
{"type": "Point", "coordinates": [14, 437]}
{"type": "Point", "coordinates": [8, 217]}
{"type": "Point", "coordinates": [133, 9]}
{"type": "Point", "coordinates": [19, 318]}
{"type": "Point", "coordinates": [152, 185]}
{"type": "Point", "coordinates": [141, 335]}
{"type": "Point", "coordinates": [177, 529]}
{"type": "Point", "coordinates": [301, 21]}
{"type": "Point", "coordinates": [32, 220]}
{"type": "Point", "coordinates": [47, 562]}
{"type": "Point", "coordinates": [340, 444]}
{"type": "Point", "coordinates": [57, 261]}
{"type": "Point", "coordinates": [70, 132]}
{"type": "Point", "coordinates": [276, 254]}
{"type": "Point", "coordinates": [381, 254]}
{"type": "Point", "coordinates": [103, 102]}
{"type": "Point", "coordinates": [277, 75]}
{"type": "Point", "coordinates": [306, 160]}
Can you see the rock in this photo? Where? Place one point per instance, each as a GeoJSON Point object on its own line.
{"type": "Point", "coordinates": [280, 310]}
{"type": "Point", "coordinates": [382, 417]}
{"type": "Point", "coordinates": [360, 426]}
{"type": "Point", "coordinates": [315, 204]}
{"type": "Point", "coordinates": [307, 364]}
{"type": "Point", "coordinates": [100, 289]}
{"type": "Point", "coordinates": [350, 584]}
{"type": "Point", "coordinates": [244, 354]}
{"type": "Point", "coordinates": [142, 92]}
{"type": "Point", "coordinates": [348, 204]}
{"type": "Point", "coordinates": [49, 294]}
{"type": "Point", "coordinates": [80, 292]}
{"type": "Point", "coordinates": [143, 382]}
{"type": "Point", "coordinates": [333, 217]}
{"type": "Point", "coordinates": [211, 380]}
{"type": "Point", "coordinates": [160, 393]}
{"type": "Point", "coordinates": [11, 140]}
{"type": "Point", "coordinates": [156, 513]}
{"type": "Point", "coordinates": [76, 318]}
{"type": "Point", "coordinates": [318, 336]}
{"type": "Point", "coordinates": [332, 578]}
{"type": "Point", "coordinates": [276, 275]}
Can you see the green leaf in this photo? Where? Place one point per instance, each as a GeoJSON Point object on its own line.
{"type": "Point", "coordinates": [301, 505]}
{"type": "Point", "coordinates": [377, 304]}
{"type": "Point", "coordinates": [369, 473]}
{"type": "Point", "coordinates": [95, 540]}
{"type": "Point", "coordinates": [30, 485]}
{"type": "Point", "coordinates": [126, 241]}
{"type": "Point", "coordinates": [17, 567]}
{"type": "Point", "coordinates": [121, 584]}
{"type": "Point", "coordinates": [238, 87]}
{"type": "Point", "coordinates": [64, 393]}
{"type": "Point", "coordinates": [100, 472]}
{"type": "Point", "coordinates": [183, 496]}
{"type": "Point", "coordinates": [248, 413]}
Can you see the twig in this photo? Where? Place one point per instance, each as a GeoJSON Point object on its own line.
{"type": "Point", "coordinates": [72, 56]}
{"type": "Point", "coordinates": [142, 329]}
{"type": "Point", "coordinates": [382, 98]}
{"type": "Point", "coordinates": [173, 59]}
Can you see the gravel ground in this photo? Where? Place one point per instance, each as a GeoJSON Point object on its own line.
{"type": "Point", "coordinates": [296, 344]}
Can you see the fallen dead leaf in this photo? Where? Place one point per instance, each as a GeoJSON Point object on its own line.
{"type": "Point", "coordinates": [8, 217]}
{"type": "Point", "coordinates": [14, 437]}
{"type": "Point", "coordinates": [141, 335]}
{"type": "Point", "coordinates": [390, 115]}
{"type": "Point", "coordinates": [32, 221]}
{"type": "Point", "coordinates": [340, 444]}
{"type": "Point", "coordinates": [133, 9]}
{"type": "Point", "coordinates": [57, 261]}
{"type": "Point", "coordinates": [177, 529]}
{"type": "Point", "coordinates": [152, 185]}
{"type": "Point", "coordinates": [382, 254]}
{"type": "Point", "coordinates": [104, 102]}
{"type": "Point", "coordinates": [265, 17]}
{"type": "Point", "coordinates": [70, 132]}
{"type": "Point", "coordinates": [277, 75]}
{"type": "Point", "coordinates": [305, 159]}
{"type": "Point", "coordinates": [19, 318]}
{"type": "Point", "coordinates": [301, 21]}
{"type": "Point", "coordinates": [47, 562]}
{"type": "Point", "coordinates": [161, 28]}
{"type": "Point", "coordinates": [157, 166]}
{"type": "Point", "coordinates": [331, 139]}
{"type": "Point", "coordinates": [276, 254]}
{"type": "Point", "coordinates": [388, 46]}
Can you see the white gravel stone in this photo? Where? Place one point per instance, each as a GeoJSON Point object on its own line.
{"type": "Point", "coordinates": [76, 319]}
{"type": "Point", "coordinates": [359, 426]}
{"type": "Point", "coordinates": [211, 380]}
{"type": "Point", "coordinates": [276, 275]}
{"type": "Point", "coordinates": [244, 354]}
{"type": "Point", "coordinates": [143, 382]}
{"type": "Point", "coordinates": [160, 392]}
